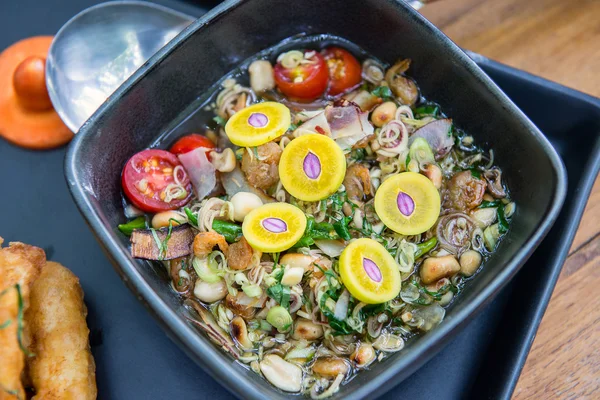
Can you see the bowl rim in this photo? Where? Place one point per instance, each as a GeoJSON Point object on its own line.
{"type": "Point", "coordinates": [200, 348]}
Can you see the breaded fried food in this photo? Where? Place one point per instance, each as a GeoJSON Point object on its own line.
{"type": "Point", "coordinates": [20, 265]}
{"type": "Point", "coordinates": [63, 366]}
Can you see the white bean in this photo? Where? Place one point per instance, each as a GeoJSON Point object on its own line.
{"type": "Point", "coordinates": [383, 113]}
{"type": "Point", "coordinates": [470, 261]}
{"type": "Point", "coordinates": [261, 76]}
{"type": "Point", "coordinates": [210, 292]}
{"type": "Point", "coordinates": [243, 203]}
{"type": "Point", "coordinates": [435, 268]}
{"type": "Point", "coordinates": [163, 219]}
{"type": "Point", "coordinates": [286, 376]}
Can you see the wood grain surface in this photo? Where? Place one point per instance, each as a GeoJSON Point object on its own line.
{"type": "Point", "coordinates": [558, 40]}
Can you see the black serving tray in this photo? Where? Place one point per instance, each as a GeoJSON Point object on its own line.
{"type": "Point", "coordinates": [134, 357]}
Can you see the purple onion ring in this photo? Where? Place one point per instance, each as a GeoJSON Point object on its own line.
{"type": "Point", "coordinates": [258, 120]}
{"type": "Point", "coordinates": [312, 165]}
{"type": "Point", "coordinates": [406, 205]}
{"type": "Point", "coordinates": [372, 270]}
{"type": "Point", "coordinates": [274, 225]}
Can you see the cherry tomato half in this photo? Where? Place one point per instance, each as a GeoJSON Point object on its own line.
{"type": "Point", "coordinates": [305, 82]}
{"type": "Point", "coordinates": [145, 179]}
{"type": "Point", "coordinates": [344, 70]}
{"type": "Point", "coordinates": [191, 142]}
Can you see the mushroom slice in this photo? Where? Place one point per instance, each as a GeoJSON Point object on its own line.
{"type": "Point", "coordinates": [235, 182]}
{"type": "Point", "coordinates": [208, 324]}
{"type": "Point", "coordinates": [389, 342]}
{"type": "Point", "coordinates": [179, 244]}
{"type": "Point", "coordinates": [239, 331]}
{"type": "Point", "coordinates": [493, 177]}
{"type": "Point", "coordinates": [404, 88]}
{"type": "Point", "coordinates": [454, 232]}
{"type": "Point", "coordinates": [285, 375]}
{"type": "Point", "coordinates": [330, 367]}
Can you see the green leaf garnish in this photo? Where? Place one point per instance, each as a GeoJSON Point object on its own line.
{"type": "Point", "coordinates": [475, 173]}
{"type": "Point", "coordinates": [280, 293]}
{"type": "Point", "coordinates": [489, 204]}
{"type": "Point", "coordinates": [383, 92]}
{"type": "Point", "coordinates": [191, 217]}
{"type": "Point", "coordinates": [220, 120]}
{"type": "Point", "coordinates": [428, 110]}
{"type": "Point", "coordinates": [502, 222]}
{"type": "Point", "coordinates": [138, 223]}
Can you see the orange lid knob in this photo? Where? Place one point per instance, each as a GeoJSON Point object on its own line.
{"type": "Point", "coordinates": [29, 81]}
{"type": "Point", "coordinates": [27, 117]}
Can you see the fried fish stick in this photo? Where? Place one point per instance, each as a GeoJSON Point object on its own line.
{"type": "Point", "coordinates": [63, 366]}
{"type": "Point", "coordinates": [20, 265]}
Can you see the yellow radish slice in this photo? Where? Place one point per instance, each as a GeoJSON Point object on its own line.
{"type": "Point", "coordinates": [274, 227]}
{"type": "Point", "coordinates": [312, 167]}
{"type": "Point", "coordinates": [408, 203]}
{"type": "Point", "coordinates": [258, 124]}
{"type": "Point", "coordinates": [369, 272]}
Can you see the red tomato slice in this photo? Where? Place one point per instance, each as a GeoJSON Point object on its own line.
{"type": "Point", "coordinates": [305, 82]}
{"type": "Point", "coordinates": [344, 70]}
{"type": "Point", "coordinates": [145, 179]}
{"type": "Point", "coordinates": [191, 142]}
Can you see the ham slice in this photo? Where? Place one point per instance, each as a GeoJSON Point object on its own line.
{"type": "Point", "coordinates": [345, 123]}
{"type": "Point", "coordinates": [200, 170]}
{"type": "Point", "coordinates": [437, 134]}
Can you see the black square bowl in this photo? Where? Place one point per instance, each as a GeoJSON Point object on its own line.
{"type": "Point", "coordinates": [170, 82]}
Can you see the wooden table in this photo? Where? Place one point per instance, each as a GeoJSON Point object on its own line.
{"type": "Point", "coordinates": [558, 40]}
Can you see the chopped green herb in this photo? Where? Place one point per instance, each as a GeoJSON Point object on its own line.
{"type": "Point", "coordinates": [12, 392]}
{"type": "Point", "coordinates": [305, 241]}
{"type": "Point", "coordinates": [436, 295]}
{"type": "Point", "coordinates": [278, 274]}
{"type": "Point", "coordinates": [382, 91]}
{"type": "Point", "coordinates": [281, 294]}
{"type": "Point", "coordinates": [158, 242]}
{"type": "Point", "coordinates": [239, 153]}
{"type": "Point", "coordinates": [306, 300]}
{"type": "Point", "coordinates": [341, 227]}
{"type": "Point", "coordinates": [451, 130]}
{"type": "Point", "coordinates": [323, 205]}
{"type": "Point", "coordinates": [425, 247]}
{"type": "Point", "coordinates": [220, 120]}
{"type": "Point", "coordinates": [193, 220]}
{"type": "Point", "coordinates": [294, 126]}
{"type": "Point", "coordinates": [429, 110]}
{"type": "Point", "coordinates": [489, 204]}
{"type": "Point", "coordinates": [317, 230]}
{"type": "Point", "coordinates": [275, 257]}
{"type": "Point", "coordinates": [229, 230]}
{"type": "Point", "coordinates": [138, 223]}
{"type": "Point", "coordinates": [373, 309]}
{"type": "Point", "coordinates": [358, 154]}
{"type": "Point", "coordinates": [163, 245]}
{"type": "Point", "coordinates": [20, 312]}
{"type": "Point", "coordinates": [502, 222]}
{"type": "Point", "coordinates": [475, 173]}
{"type": "Point", "coordinates": [338, 327]}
